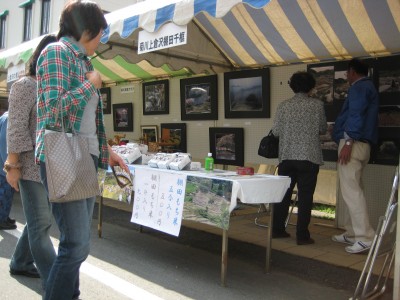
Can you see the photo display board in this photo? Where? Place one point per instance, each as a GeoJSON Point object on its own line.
{"type": "Point", "coordinates": [331, 88]}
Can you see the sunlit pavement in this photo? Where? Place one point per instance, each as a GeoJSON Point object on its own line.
{"type": "Point", "coordinates": [127, 264]}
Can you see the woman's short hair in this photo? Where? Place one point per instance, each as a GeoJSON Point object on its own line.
{"type": "Point", "coordinates": [79, 16]}
{"type": "Point", "coordinates": [47, 39]}
{"type": "Point", "coordinates": [302, 82]}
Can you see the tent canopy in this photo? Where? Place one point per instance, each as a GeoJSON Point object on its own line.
{"type": "Point", "coordinates": [235, 34]}
{"type": "Point", "coordinates": [225, 35]}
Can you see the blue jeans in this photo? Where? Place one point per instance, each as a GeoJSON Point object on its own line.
{"type": "Point", "coordinates": [35, 237]}
{"type": "Point", "coordinates": [6, 196]}
{"type": "Point", "coordinates": [74, 222]}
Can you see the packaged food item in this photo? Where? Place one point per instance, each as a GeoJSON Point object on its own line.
{"type": "Point", "coordinates": [181, 161]}
{"type": "Point", "coordinates": [245, 171]}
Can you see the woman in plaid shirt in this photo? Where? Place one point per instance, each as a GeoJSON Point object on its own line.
{"type": "Point", "coordinates": [65, 76]}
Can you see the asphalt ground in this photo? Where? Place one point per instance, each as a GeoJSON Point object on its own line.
{"type": "Point", "coordinates": [127, 263]}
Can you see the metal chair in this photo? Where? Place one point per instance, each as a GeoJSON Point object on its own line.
{"type": "Point", "coordinates": [273, 170]}
{"type": "Point", "coordinates": [383, 245]}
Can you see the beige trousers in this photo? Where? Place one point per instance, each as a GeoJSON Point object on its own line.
{"type": "Point", "coordinates": [356, 221]}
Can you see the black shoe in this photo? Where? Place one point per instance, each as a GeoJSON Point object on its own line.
{"type": "Point", "coordinates": [31, 273]}
{"type": "Point", "coordinates": [308, 241]}
{"type": "Point", "coordinates": [11, 221]}
{"type": "Point", "coordinates": [7, 226]}
{"type": "Point", "coordinates": [280, 234]}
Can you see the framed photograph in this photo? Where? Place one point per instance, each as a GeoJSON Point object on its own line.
{"type": "Point", "coordinates": [386, 152]}
{"type": "Point", "coordinates": [389, 116]}
{"type": "Point", "coordinates": [328, 145]}
{"type": "Point", "coordinates": [247, 94]}
{"type": "Point", "coordinates": [332, 86]}
{"type": "Point", "coordinates": [324, 75]}
{"type": "Point", "coordinates": [227, 145]}
{"type": "Point", "coordinates": [156, 97]}
{"type": "Point", "coordinates": [151, 132]}
{"type": "Point", "coordinates": [389, 80]}
{"type": "Point", "coordinates": [199, 98]}
{"type": "Point", "coordinates": [106, 99]}
{"type": "Point", "coordinates": [123, 117]}
{"type": "Point", "coordinates": [173, 137]}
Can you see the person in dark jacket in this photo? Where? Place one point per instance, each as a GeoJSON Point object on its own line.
{"type": "Point", "coordinates": [299, 122]}
{"type": "Point", "coordinates": [356, 128]}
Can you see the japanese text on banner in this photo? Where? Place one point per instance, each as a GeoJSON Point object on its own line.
{"type": "Point", "coordinates": [170, 35]}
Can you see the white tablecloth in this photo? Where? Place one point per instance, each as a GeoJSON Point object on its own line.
{"type": "Point", "coordinates": [254, 189]}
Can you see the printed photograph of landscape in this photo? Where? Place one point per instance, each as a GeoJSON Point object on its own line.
{"type": "Point", "coordinates": [324, 77]}
{"type": "Point", "coordinates": [389, 81]}
{"type": "Point", "coordinates": [387, 152]}
{"type": "Point", "coordinates": [341, 86]}
{"type": "Point", "coordinates": [207, 201]}
{"type": "Point", "coordinates": [389, 116]}
{"type": "Point", "coordinates": [328, 145]}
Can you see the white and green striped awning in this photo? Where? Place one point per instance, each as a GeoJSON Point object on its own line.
{"type": "Point", "coordinates": [19, 54]}
{"type": "Point", "coordinates": [119, 70]}
{"type": "Point", "coordinates": [112, 70]}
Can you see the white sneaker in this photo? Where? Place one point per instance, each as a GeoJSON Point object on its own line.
{"type": "Point", "coordinates": [358, 247]}
{"type": "Point", "coordinates": [342, 238]}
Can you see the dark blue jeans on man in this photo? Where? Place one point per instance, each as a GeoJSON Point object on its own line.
{"type": "Point", "coordinates": [303, 173]}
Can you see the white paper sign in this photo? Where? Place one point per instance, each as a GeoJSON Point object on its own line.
{"type": "Point", "coordinates": [15, 72]}
{"type": "Point", "coordinates": [170, 35]}
{"type": "Point", "coordinates": [159, 199]}
{"type": "Point", "coordinates": [126, 89]}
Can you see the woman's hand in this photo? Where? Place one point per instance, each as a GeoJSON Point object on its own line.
{"type": "Point", "coordinates": [116, 160]}
{"type": "Point", "coordinates": [95, 78]}
{"type": "Point", "coordinates": [13, 176]}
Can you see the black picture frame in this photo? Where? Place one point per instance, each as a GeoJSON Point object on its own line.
{"type": "Point", "coordinates": [227, 145]}
{"type": "Point", "coordinates": [123, 117]}
{"type": "Point", "coordinates": [386, 152]}
{"type": "Point", "coordinates": [174, 134]}
{"type": "Point", "coordinates": [387, 149]}
{"type": "Point", "coordinates": [151, 131]}
{"type": "Point", "coordinates": [156, 97]}
{"type": "Point", "coordinates": [199, 98]}
{"type": "Point", "coordinates": [388, 80]}
{"type": "Point", "coordinates": [247, 94]}
{"type": "Point", "coordinates": [106, 100]}
{"type": "Point", "coordinates": [332, 85]}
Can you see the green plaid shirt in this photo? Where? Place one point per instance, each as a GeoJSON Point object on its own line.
{"type": "Point", "coordinates": [61, 77]}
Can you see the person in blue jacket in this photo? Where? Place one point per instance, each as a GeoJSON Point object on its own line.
{"type": "Point", "coordinates": [356, 129]}
{"type": "Point", "coordinates": [6, 191]}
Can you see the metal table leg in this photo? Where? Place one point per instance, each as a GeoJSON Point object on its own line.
{"type": "Point", "coordinates": [269, 237]}
{"type": "Point", "coordinates": [100, 224]}
{"type": "Point", "coordinates": [224, 257]}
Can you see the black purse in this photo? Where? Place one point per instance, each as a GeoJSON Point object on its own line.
{"type": "Point", "coordinates": [269, 146]}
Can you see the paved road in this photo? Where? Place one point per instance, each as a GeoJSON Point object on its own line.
{"type": "Point", "coordinates": [127, 264]}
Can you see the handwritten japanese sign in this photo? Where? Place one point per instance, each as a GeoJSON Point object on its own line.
{"type": "Point", "coordinates": [159, 199]}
